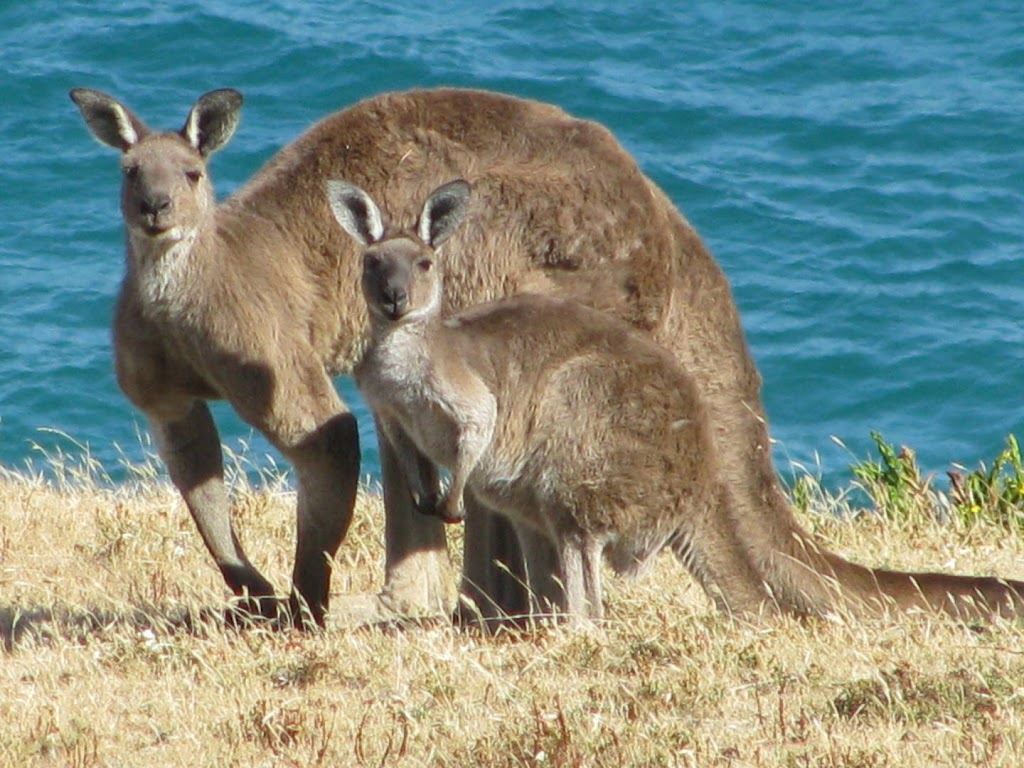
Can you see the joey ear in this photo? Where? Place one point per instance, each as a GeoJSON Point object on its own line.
{"type": "Point", "coordinates": [110, 121]}
{"type": "Point", "coordinates": [443, 212]}
{"type": "Point", "coordinates": [212, 120]}
{"type": "Point", "coordinates": [355, 211]}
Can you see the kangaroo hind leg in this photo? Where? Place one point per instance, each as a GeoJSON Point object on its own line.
{"type": "Point", "coordinates": [298, 409]}
{"type": "Point", "coordinates": [190, 448]}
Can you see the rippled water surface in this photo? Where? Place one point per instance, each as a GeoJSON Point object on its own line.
{"type": "Point", "coordinates": [856, 168]}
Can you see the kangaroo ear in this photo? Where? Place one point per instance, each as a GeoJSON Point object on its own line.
{"type": "Point", "coordinates": [443, 212]}
{"type": "Point", "coordinates": [110, 121]}
{"type": "Point", "coordinates": [355, 211]}
{"type": "Point", "coordinates": [212, 120]}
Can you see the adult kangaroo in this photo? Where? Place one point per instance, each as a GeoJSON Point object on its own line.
{"type": "Point", "coordinates": [255, 301]}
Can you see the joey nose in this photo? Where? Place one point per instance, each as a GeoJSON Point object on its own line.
{"type": "Point", "coordinates": [395, 300]}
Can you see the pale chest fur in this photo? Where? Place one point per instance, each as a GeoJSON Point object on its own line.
{"type": "Point", "coordinates": [162, 271]}
{"type": "Point", "coordinates": [428, 391]}
{"type": "Point", "coordinates": [402, 381]}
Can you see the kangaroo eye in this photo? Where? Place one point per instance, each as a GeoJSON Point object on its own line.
{"type": "Point", "coordinates": [424, 265]}
{"type": "Point", "coordinates": [371, 261]}
{"type": "Point", "coordinates": [193, 176]}
{"type": "Point", "coordinates": [131, 172]}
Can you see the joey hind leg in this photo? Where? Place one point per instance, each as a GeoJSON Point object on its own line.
{"type": "Point", "coordinates": [190, 448]}
{"type": "Point", "coordinates": [580, 560]}
{"type": "Point", "coordinates": [561, 580]}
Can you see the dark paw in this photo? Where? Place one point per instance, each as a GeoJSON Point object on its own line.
{"type": "Point", "coordinates": [248, 612]}
{"type": "Point", "coordinates": [427, 505]}
{"type": "Point", "coordinates": [441, 507]}
{"type": "Point", "coordinates": [301, 615]}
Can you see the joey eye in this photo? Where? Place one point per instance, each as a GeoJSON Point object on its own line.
{"type": "Point", "coordinates": [371, 261]}
{"type": "Point", "coordinates": [424, 265]}
{"type": "Point", "coordinates": [131, 172]}
{"type": "Point", "coordinates": [193, 176]}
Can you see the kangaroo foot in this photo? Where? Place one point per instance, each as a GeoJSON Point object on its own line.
{"type": "Point", "coordinates": [249, 611]}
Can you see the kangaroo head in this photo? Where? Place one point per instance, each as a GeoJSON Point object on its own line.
{"type": "Point", "coordinates": [165, 189]}
{"type": "Point", "coordinates": [401, 279]}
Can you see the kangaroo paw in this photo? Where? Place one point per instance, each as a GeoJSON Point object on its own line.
{"type": "Point", "coordinates": [428, 504]}
{"type": "Point", "coordinates": [451, 511]}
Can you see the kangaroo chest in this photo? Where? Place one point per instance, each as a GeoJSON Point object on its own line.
{"type": "Point", "coordinates": [446, 409]}
{"type": "Point", "coordinates": [403, 383]}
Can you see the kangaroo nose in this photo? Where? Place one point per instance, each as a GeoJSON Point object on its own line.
{"type": "Point", "coordinates": [154, 205]}
{"type": "Point", "coordinates": [395, 300]}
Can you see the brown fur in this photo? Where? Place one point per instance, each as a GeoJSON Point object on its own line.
{"type": "Point", "coordinates": [564, 419]}
{"type": "Point", "coordinates": [264, 306]}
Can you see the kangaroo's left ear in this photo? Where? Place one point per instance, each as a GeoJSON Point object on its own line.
{"type": "Point", "coordinates": [443, 212]}
{"type": "Point", "coordinates": [212, 120]}
{"type": "Point", "coordinates": [355, 211]}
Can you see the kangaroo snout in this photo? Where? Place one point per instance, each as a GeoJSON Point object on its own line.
{"type": "Point", "coordinates": [394, 300]}
{"type": "Point", "coordinates": [386, 281]}
{"type": "Point", "coordinates": [155, 205]}
{"type": "Point", "coordinates": [154, 211]}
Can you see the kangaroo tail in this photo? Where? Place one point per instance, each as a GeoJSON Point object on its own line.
{"type": "Point", "coordinates": [802, 574]}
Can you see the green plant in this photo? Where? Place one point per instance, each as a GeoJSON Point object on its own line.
{"type": "Point", "coordinates": [895, 483]}
{"type": "Point", "coordinates": [993, 493]}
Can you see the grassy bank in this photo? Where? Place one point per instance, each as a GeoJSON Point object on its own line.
{"type": "Point", "coordinates": [114, 655]}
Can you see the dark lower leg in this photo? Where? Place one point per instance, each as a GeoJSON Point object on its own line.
{"type": "Point", "coordinates": [327, 467]}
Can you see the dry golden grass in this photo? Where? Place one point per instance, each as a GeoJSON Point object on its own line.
{"type": "Point", "coordinates": [114, 656]}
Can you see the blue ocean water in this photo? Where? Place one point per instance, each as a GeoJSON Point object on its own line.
{"type": "Point", "coordinates": [857, 169]}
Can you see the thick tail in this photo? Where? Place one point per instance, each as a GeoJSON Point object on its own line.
{"type": "Point", "coordinates": [768, 557]}
{"type": "Point", "coordinates": [963, 597]}
{"type": "Point", "coordinates": [803, 576]}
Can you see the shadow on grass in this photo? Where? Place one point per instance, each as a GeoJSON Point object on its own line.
{"type": "Point", "coordinates": [23, 626]}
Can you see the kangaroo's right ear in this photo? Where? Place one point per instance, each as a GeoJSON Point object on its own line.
{"type": "Point", "coordinates": [109, 120]}
{"type": "Point", "coordinates": [355, 211]}
{"type": "Point", "coordinates": [443, 212]}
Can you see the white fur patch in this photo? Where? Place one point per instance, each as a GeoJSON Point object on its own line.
{"type": "Point", "coordinates": [125, 129]}
{"type": "Point", "coordinates": [162, 264]}
{"type": "Point", "coordinates": [192, 129]}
